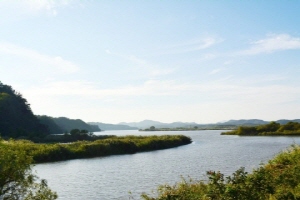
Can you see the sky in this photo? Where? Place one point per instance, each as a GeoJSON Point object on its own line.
{"type": "Point", "coordinates": [117, 61]}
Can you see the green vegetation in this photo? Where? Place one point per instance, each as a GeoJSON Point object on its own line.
{"type": "Point", "coordinates": [195, 128]}
{"type": "Point", "coordinates": [273, 128]}
{"type": "Point", "coordinates": [73, 136]}
{"type": "Point", "coordinates": [67, 124]}
{"type": "Point", "coordinates": [49, 122]}
{"type": "Point", "coordinates": [16, 178]}
{"type": "Point", "coordinates": [18, 121]}
{"type": "Point", "coordinates": [104, 147]}
{"type": "Point", "coordinates": [106, 127]}
{"type": "Point", "coordinates": [277, 180]}
{"type": "Point", "coordinates": [16, 117]}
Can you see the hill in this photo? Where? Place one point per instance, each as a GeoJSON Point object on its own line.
{"type": "Point", "coordinates": [246, 122]}
{"type": "Point", "coordinates": [51, 125]}
{"type": "Point", "coordinates": [63, 124]}
{"type": "Point", "coordinates": [148, 123]}
{"type": "Point", "coordinates": [104, 126]}
{"type": "Point", "coordinates": [67, 124]}
{"type": "Point", "coordinates": [231, 123]}
{"type": "Point", "coordinates": [16, 117]}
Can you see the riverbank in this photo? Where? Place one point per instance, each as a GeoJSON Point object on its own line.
{"type": "Point", "coordinates": [86, 149]}
{"type": "Point", "coordinates": [279, 179]}
{"type": "Point", "coordinates": [271, 129]}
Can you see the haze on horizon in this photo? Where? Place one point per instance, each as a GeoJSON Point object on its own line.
{"type": "Point", "coordinates": [126, 61]}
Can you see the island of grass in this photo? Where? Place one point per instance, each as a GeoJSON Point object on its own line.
{"type": "Point", "coordinates": [277, 180]}
{"type": "Point", "coordinates": [271, 129]}
{"type": "Point", "coordinates": [87, 149]}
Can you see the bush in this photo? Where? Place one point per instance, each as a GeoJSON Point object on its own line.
{"type": "Point", "coordinates": [277, 180]}
{"type": "Point", "coordinates": [16, 178]}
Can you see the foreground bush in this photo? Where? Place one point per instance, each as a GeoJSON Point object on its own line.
{"type": "Point", "coordinates": [104, 147]}
{"type": "Point", "coordinates": [277, 180]}
{"type": "Point", "coordinates": [16, 179]}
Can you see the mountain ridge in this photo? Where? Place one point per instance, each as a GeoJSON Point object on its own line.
{"type": "Point", "coordinates": [239, 122]}
{"type": "Point", "coordinates": [107, 126]}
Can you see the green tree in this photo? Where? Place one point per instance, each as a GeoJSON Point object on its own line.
{"type": "Point", "coordinates": [271, 127]}
{"type": "Point", "coordinates": [16, 178]}
{"type": "Point", "coordinates": [152, 128]}
{"type": "Point", "coordinates": [16, 116]}
{"type": "Point", "coordinates": [75, 132]}
{"type": "Point", "coordinates": [290, 126]}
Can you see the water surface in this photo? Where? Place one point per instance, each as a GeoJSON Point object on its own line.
{"type": "Point", "coordinates": [114, 176]}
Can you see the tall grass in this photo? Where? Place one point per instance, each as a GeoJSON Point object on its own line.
{"type": "Point", "coordinates": [104, 147]}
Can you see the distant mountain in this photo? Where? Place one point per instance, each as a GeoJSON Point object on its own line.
{"type": "Point", "coordinates": [245, 122]}
{"type": "Point", "coordinates": [49, 122]}
{"type": "Point", "coordinates": [143, 124]}
{"type": "Point", "coordinates": [104, 126]}
{"type": "Point", "coordinates": [241, 122]}
{"type": "Point", "coordinates": [148, 123]}
{"type": "Point", "coordinates": [68, 124]}
{"type": "Point", "coordinates": [285, 121]}
{"type": "Point", "coordinates": [183, 124]}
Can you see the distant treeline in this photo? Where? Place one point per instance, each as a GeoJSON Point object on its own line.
{"type": "Point", "coordinates": [194, 128]}
{"type": "Point", "coordinates": [73, 136]}
{"type": "Point", "coordinates": [273, 128]}
{"type": "Point", "coordinates": [277, 180]}
{"type": "Point", "coordinates": [105, 147]}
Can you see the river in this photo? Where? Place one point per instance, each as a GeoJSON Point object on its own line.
{"type": "Point", "coordinates": [114, 177]}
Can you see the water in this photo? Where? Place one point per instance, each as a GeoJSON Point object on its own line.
{"type": "Point", "coordinates": [114, 176]}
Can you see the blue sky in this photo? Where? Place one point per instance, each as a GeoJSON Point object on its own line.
{"type": "Point", "coordinates": [125, 61]}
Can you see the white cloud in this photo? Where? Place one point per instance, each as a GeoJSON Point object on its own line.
{"type": "Point", "coordinates": [218, 90]}
{"type": "Point", "coordinates": [209, 98]}
{"type": "Point", "coordinates": [27, 7]}
{"type": "Point", "coordinates": [215, 71]}
{"type": "Point", "coordinates": [145, 66]}
{"type": "Point", "coordinates": [273, 43]}
{"type": "Point", "coordinates": [42, 60]}
{"type": "Point", "coordinates": [191, 45]}
{"type": "Point", "coordinates": [89, 90]}
{"type": "Point", "coordinates": [208, 56]}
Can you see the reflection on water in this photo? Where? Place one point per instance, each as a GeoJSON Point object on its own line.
{"type": "Point", "coordinates": [113, 177]}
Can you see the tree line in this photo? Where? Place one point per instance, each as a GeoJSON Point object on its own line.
{"type": "Point", "coordinates": [273, 128]}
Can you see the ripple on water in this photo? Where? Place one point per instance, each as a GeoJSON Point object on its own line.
{"type": "Point", "coordinates": [113, 177]}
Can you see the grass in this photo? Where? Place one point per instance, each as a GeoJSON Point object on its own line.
{"type": "Point", "coordinates": [104, 147]}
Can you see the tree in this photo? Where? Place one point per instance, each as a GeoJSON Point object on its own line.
{"type": "Point", "coordinates": [16, 116]}
{"type": "Point", "coordinates": [152, 128]}
{"type": "Point", "coordinates": [271, 127]}
{"type": "Point", "coordinates": [16, 178]}
{"type": "Point", "coordinates": [290, 126]}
